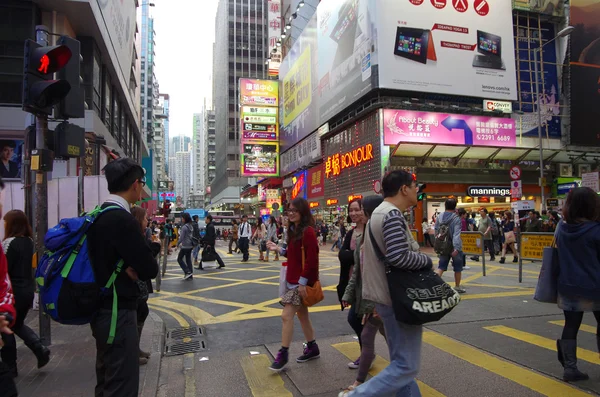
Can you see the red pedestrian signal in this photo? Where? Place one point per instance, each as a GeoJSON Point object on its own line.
{"type": "Point", "coordinates": [44, 63]}
{"type": "Point", "coordinates": [40, 91]}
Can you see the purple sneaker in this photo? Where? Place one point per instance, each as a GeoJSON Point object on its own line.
{"type": "Point", "coordinates": [310, 353]}
{"type": "Point", "coordinates": [280, 361]}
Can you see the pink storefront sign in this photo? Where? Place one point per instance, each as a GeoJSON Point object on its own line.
{"type": "Point", "coordinates": [449, 129]}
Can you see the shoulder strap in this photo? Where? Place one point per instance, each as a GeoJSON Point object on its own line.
{"type": "Point", "coordinates": [378, 252]}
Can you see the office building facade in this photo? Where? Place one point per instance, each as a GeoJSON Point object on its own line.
{"type": "Point", "coordinates": [240, 51]}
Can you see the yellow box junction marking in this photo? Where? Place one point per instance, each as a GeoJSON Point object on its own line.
{"type": "Point", "coordinates": [550, 344]}
{"type": "Point", "coordinates": [584, 327]}
{"type": "Point", "coordinates": [352, 351]}
{"type": "Point", "coordinates": [262, 381]}
{"type": "Point", "coordinates": [515, 373]}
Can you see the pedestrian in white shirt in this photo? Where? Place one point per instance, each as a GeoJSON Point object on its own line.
{"type": "Point", "coordinates": [245, 235]}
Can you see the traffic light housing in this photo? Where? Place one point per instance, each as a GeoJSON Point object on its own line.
{"type": "Point", "coordinates": [421, 191]}
{"type": "Point", "coordinates": [73, 104]}
{"type": "Point", "coordinates": [40, 90]}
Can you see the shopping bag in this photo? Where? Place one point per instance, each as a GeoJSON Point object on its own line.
{"type": "Point", "coordinates": [282, 279]}
{"type": "Point", "coordinates": [547, 286]}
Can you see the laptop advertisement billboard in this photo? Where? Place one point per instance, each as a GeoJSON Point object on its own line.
{"type": "Point", "coordinates": [455, 47]}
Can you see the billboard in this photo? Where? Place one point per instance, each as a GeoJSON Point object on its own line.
{"type": "Point", "coordinates": [585, 72]}
{"type": "Point", "coordinates": [11, 154]}
{"type": "Point", "coordinates": [274, 30]}
{"type": "Point", "coordinates": [162, 196]}
{"type": "Point", "coordinates": [259, 92]}
{"type": "Point", "coordinates": [547, 7]}
{"type": "Point", "coordinates": [447, 129]}
{"type": "Point", "coordinates": [259, 116]}
{"type": "Point", "coordinates": [531, 33]}
{"type": "Point", "coordinates": [299, 116]}
{"type": "Point", "coordinates": [456, 47]}
{"type": "Point", "coordinates": [316, 182]}
{"type": "Point", "coordinates": [260, 159]}
{"type": "Point", "coordinates": [345, 40]}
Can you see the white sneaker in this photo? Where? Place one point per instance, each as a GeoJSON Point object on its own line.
{"type": "Point", "coordinates": [466, 267]}
{"type": "Point", "coordinates": [354, 364]}
{"type": "Point", "coordinates": [188, 276]}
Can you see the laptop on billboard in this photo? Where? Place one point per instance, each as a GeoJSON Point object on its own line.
{"type": "Point", "coordinates": [489, 47]}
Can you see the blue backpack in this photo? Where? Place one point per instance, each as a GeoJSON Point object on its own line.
{"type": "Point", "coordinates": [65, 276]}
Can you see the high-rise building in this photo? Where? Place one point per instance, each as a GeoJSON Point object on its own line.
{"type": "Point", "coordinates": [179, 143]}
{"type": "Point", "coordinates": [240, 50]}
{"type": "Point", "coordinates": [182, 175]}
{"type": "Point", "coordinates": [172, 166]}
{"type": "Point", "coordinates": [198, 149]}
{"type": "Point", "coordinates": [210, 159]}
{"type": "Point", "coordinates": [165, 105]}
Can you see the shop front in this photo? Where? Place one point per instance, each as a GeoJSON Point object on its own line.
{"type": "Point", "coordinates": [352, 165]}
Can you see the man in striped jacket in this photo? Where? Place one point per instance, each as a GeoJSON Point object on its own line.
{"type": "Point", "coordinates": [390, 229]}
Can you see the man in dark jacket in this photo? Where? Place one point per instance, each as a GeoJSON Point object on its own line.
{"type": "Point", "coordinates": [116, 236]}
{"type": "Point", "coordinates": [209, 240]}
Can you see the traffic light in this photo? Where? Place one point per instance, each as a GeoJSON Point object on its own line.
{"type": "Point", "coordinates": [421, 191]}
{"type": "Point", "coordinates": [40, 91]}
{"type": "Point", "coordinates": [72, 105]}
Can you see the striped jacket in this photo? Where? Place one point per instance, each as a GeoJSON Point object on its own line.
{"type": "Point", "coordinates": [391, 233]}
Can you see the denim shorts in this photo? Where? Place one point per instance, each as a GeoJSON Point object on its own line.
{"type": "Point", "coordinates": [458, 262]}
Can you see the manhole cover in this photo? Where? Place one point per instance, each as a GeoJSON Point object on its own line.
{"type": "Point", "coordinates": [183, 347]}
{"type": "Point", "coordinates": [184, 340]}
{"type": "Point", "coordinates": [181, 333]}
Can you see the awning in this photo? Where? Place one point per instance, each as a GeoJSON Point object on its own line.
{"type": "Point", "coordinates": [489, 154]}
{"type": "Point", "coordinates": [251, 191]}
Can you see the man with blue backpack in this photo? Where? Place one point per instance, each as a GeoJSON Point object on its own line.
{"type": "Point", "coordinates": [114, 244]}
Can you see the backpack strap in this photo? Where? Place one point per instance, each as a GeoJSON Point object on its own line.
{"type": "Point", "coordinates": [115, 305]}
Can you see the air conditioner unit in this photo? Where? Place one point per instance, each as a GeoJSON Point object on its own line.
{"type": "Point", "coordinates": [583, 168]}
{"type": "Point", "coordinates": [565, 169]}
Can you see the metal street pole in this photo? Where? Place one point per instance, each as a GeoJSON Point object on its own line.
{"type": "Point", "coordinates": [41, 195]}
{"type": "Point", "coordinates": [539, 113]}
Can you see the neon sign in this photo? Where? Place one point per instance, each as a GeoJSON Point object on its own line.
{"type": "Point", "coordinates": [313, 204]}
{"type": "Point", "coordinates": [338, 162]}
{"type": "Point", "coordinates": [354, 197]}
{"type": "Point", "coordinates": [299, 185]}
{"type": "Point", "coordinates": [332, 201]}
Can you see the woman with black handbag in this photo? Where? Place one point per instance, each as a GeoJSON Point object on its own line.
{"type": "Point", "coordinates": [260, 234]}
{"type": "Point", "coordinates": [303, 288]}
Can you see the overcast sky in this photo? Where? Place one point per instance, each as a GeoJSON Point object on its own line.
{"type": "Point", "coordinates": [185, 32]}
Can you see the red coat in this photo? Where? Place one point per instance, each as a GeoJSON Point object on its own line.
{"type": "Point", "coordinates": [294, 258]}
{"type": "Point", "coordinates": [7, 299]}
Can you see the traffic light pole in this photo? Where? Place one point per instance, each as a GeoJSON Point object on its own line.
{"type": "Point", "coordinates": [40, 188]}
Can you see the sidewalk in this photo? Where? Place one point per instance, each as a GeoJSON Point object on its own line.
{"type": "Point", "coordinates": [71, 370]}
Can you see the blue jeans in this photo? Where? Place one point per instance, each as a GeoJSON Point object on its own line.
{"type": "Point", "coordinates": [195, 252]}
{"type": "Point", "coordinates": [404, 343]}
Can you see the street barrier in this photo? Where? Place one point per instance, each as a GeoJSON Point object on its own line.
{"type": "Point", "coordinates": [531, 248]}
{"type": "Point", "coordinates": [472, 243]}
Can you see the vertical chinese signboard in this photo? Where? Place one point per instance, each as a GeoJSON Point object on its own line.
{"type": "Point", "coordinates": [274, 30]}
{"type": "Point", "coordinates": [316, 185]}
{"type": "Point", "coordinates": [259, 152]}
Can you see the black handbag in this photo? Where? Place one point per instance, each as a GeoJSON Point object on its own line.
{"type": "Point", "coordinates": [209, 254]}
{"type": "Point", "coordinates": [418, 297]}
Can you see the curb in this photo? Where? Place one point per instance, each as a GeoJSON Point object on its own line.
{"type": "Point", "coordinates": [157, 347]}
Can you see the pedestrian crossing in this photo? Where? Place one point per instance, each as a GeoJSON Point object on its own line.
{"type": "Point", "coordinates": [441, 354]}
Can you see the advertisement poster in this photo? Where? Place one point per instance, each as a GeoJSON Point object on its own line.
{"type": "Point", "coordinates": [451, 129]}
{"type": "Point", "coordinates": [316, 182]}
{"type": "Point", "coordinates": [11, 152]}
{"type": "Point", "coordinates": [259, 92]}
{"type": "Point", "coordinates": [529, 33]}
{"type": "Point", "coordinates": [458, 47]}
{"type": "Point", "coordinates": [260, 159]}
{"type": "Point", "coordinates": [259, 132]}
{"type": "Point", "coordinates": [299, 185]}
{"type": "Point", "coordinates": [273, 197]}
{"type": "Point", "coordinates": [585, 72]}
{"type": "Point", "coordinates": [297, 74]}
{"type": "Point", "coordinates": [547, 7]}
{"type": "Point", "coordinates": [162, 196]}
{"type": "Point", "coordinates": [345, 38]}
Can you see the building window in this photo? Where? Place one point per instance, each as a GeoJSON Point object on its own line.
{"type": "Point", "coordinates": [115, 116]}
{"type": "Point", "coordinates": [107, 99]}
{"type": "Point", "coordinates": [16, 25]}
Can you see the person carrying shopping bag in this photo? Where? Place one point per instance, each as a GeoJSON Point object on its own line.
{"type": "Point", "coordinates": [260, 234]}
{"type": "Point", "coordinates": [578, 284]}
{"type": "Point", "coordinates": [302, 281]}
{"type": "Point", "coordinates": [272, 230]}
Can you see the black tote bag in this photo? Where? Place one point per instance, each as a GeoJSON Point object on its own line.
{"type": "Point", "coordinates": [418, 297]}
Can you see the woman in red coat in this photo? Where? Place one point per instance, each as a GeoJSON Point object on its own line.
{"type": "Point", "coordinates": [301, 236]}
